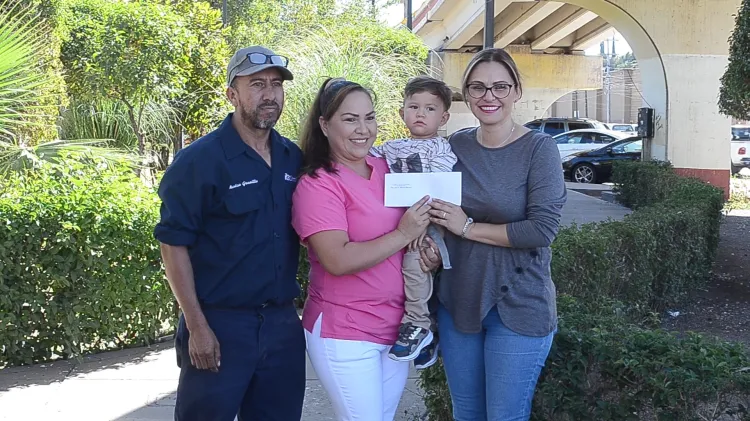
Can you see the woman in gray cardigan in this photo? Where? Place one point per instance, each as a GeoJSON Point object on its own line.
{"type": "Point", "coordinates": [497, 314]}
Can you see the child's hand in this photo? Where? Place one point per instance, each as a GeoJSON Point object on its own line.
{"type": "Point", "coordinates": [417, 244]}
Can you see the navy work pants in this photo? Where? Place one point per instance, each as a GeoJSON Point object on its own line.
{"type": "Point", "coordinates": [262, 373]}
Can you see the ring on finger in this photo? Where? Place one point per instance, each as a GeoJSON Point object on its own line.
{"type": "Point", "coordinates": [445, 214]}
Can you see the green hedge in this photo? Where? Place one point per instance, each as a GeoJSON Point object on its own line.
{"type": "Point", "coordinates": [608, 362]}
{"type": "Point", "coordinates": [80, 270]}
{"type": "Point", "coordinates": [657, 255]}
{"type": "Point", "coordinates": [303, 276]}
{"type": "Point", "coordinates": [602, 367]}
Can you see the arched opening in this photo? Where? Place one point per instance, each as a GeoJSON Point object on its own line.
{"type": "Point", "coordinates": [655, 90]}
{"type": "Point", "coordinates": [551, 69]}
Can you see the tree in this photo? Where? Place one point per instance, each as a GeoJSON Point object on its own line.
{"type": "Point", "coordinates": [129, 52]}
{"type": "Point", "coordinates": [203, 102]}
{"type": "Point", "coordinates": [267, 22]}
{"type": "Point", "coordinates": [625, 61]}
{"type": "Point", "coordinates": [28, 98]}
{"type": "Point", "coordinates": [734, 94]}
{"type": "Point", "coordinates": [38, 25]}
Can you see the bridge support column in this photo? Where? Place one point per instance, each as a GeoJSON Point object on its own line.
{"type": "Point", "coordinates": [699, 136]}
{"type": "Point", "coordinates": [535, 102]}
{"type": "Point", "coordinates": [533, 105]}
{"type": "Point", "coordinates": [545, 78]}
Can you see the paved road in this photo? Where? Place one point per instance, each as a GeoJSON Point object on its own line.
{"type": "Point", "coordinates": [583, 208]}
{"type": "Point", "coordinates": [139, 384]}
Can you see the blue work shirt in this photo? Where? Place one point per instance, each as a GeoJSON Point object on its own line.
{"type": "Point", "coordinates": [233, 213]}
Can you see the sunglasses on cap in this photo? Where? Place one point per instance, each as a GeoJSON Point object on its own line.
{"type": "Point", "coordinates": [260, 58]}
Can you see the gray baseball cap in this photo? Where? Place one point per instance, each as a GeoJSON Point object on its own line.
{"type": "Point", "coordinates": [250, 60]}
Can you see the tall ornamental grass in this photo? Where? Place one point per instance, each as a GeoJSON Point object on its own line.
{"type": "Point", "coordinates": [314, 56]}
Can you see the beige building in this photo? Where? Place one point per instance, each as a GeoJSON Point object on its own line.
{"type": "Point", "coordinates": [624, 99]}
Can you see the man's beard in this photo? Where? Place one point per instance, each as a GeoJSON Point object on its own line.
{"type": "Point", "coordinates": [253, 119]}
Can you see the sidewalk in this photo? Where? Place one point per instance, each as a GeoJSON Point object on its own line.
{"type": "Point", "coordinates": [131, 385]}
{"type": "Point", "coordinates": [139, 384]}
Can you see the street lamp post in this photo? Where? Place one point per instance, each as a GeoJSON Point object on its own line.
{"type": "Point", "coordinates": [408, 12]}
{"type": "Point", "coordinates": [489, 24]}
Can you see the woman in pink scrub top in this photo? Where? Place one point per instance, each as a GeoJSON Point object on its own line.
{"type": "Point", "coordinates": [356, 294]}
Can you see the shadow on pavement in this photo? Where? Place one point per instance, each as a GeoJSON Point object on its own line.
{"type": "Point", "coordinates": [57, 371]}
{"type": "Point", "coordinates": [159, 410]}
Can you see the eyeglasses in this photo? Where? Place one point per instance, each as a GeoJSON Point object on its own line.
{"type": "Point", "coordinates": [261, 58]}
{"type": "Point", "coordinates": [499, 90]}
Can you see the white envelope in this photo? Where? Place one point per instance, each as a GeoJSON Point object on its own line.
{"type": "Point", "coordinates": [405, 189]}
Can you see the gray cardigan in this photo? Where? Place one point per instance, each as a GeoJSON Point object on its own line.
{"type": "Point", "coordinates": [521, 185]}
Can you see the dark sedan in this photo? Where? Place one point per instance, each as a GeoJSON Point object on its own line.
{"type": "Point", "coordinates": [596, 165]}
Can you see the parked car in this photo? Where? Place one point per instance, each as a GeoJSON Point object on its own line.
{"type": "Point", "coordinates": [556, 125]}
{"type": "Point", "coordinates": [585, 140]}
{"type": "Point", "coordinates": [628, 128]}
{"type": "Point", "coordinates": [740, 147]}
{"type": "Point", "coordinates": [596, 165]}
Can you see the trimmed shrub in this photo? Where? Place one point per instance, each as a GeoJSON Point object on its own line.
{"type": "Point", "coordinates": [653, 258]}
{"type": "Point", "coordinates": [80, 271]}
{"type": "Point", "coordinates": [602, 367]}
{"type": "Point", "coordinates": [640, 184]}
{"type": "Point", "coordinates": [608, 361]}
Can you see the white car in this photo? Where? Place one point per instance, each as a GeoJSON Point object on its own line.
{"type": "Point", "coordinates": [740, 147]}
{"type": "Point", "coordinates": [628, 128]}
{"type": "Point", "coordinates": [586, 140]}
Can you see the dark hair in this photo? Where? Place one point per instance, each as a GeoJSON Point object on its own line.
{"type": "Point", "coordinates": [496, 55]}
{"type": "Point", "coordinates": [434, 86]}
{"type": "Point", "coordinates": [316, 150]}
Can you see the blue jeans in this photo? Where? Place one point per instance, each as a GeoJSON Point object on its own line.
{"type": "Point", "coordinates": [491, 375]}
{"type": "Point", "coordinates": [262, 373]}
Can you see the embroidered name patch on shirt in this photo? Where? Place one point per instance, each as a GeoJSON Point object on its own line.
{"type": "Point", "coordinates": [243, 184]}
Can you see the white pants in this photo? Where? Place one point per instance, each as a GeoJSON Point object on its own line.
{"type": "Point", "coordinates": [361, 381]}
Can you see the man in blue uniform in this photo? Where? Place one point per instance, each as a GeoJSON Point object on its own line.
{"type": "Point", "coordinates": [231, 256]}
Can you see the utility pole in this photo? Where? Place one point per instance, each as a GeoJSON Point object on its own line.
{"type": "Point", "coordinates": [609, 55]}
{"type": "Point", "coordinates": [586, 103]}
{"type": "Point", "coordinates": [489, 24]}
{"type": "Point", "coordinates": [224, 14]}
{"type": "Point", "coordinates": [607, 76]}
{"type": "Point", "coordinates": [609, 97]}
{"type": "Point", "coordinates": [408, 13]}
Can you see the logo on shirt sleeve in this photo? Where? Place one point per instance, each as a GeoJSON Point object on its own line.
{"type": "Point", "coordinates": [243, 184]}
{"type": "Point", "coordinates": [288, 177]}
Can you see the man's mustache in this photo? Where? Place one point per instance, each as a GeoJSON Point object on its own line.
{"type": "Point", "coordinates": [269, 104]}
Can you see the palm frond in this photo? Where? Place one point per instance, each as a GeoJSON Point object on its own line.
{"type": "Point", "coordinates": [18, 157]}
{"type": "Point", "coordinates": [108, 121]}
{"type": "Point", "coordinates": [22, 36]}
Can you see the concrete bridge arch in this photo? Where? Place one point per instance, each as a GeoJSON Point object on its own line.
{"type": "Point", "coordinates": [681, 47]}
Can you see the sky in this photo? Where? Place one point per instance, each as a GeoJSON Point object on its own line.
{"type": "Point", "coordinates": [395, 14]}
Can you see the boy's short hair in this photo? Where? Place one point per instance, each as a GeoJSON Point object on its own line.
{"type": "Point", "coordinates": [434, 86]}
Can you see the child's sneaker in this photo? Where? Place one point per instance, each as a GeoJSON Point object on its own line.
{"type": "Point", "coordinates": [411, 340]}
{"type": "Point", "coordinates": [428, 356]}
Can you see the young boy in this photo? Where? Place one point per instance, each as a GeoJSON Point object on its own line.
{"type": "Point", "coordinates": [426, 104]}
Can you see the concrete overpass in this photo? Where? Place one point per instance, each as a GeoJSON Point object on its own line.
{"type": "Point", "coordinates": [681, 47]}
